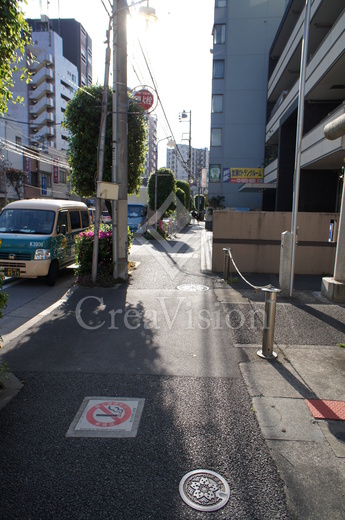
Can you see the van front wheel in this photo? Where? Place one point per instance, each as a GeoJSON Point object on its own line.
{"type": "Point", "coordinates": [53, 273]}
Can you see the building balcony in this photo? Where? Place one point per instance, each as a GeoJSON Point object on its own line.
{"type": "Point", "coordinates": [324, 76]}
{"type": "Point", "coordinates": [326, 24]}
{"type": "Point", "coordinates": [44, 89]}
{"type": "Point", "coordinates": [43, 133]}
{"type": "Point", "coordinates": [43, 74]}
{"type": "Point", "coordinates": [43, 59]}
{"type": "Point", "coordinates": [42, 119]}
{"type": "Point", "coordinates": [43, 104]}
{"type": "Point", "coordinates": [320, 153]}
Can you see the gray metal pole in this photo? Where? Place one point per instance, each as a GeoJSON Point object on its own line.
{"type": "Point", "coordinates": [300, 120]}
{"type": "Point", "coordinates": [339, 264]}
{"type": "Point", "coordinates": [268, 333]}
{"type": "Point", "coordinates": [226, 264]}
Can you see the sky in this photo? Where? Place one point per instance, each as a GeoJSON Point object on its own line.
{"type": "Point", "coordinates": [177, 50]}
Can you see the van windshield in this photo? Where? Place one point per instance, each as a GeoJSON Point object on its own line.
{"type": "Point", "coordinates": [27, 221]}
{"type": "Point", "coordinates": [135, 211]}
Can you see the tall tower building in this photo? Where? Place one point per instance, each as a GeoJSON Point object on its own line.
{"type": "Point", "coordinates": [243, 32]}
{"type": "Point", "coordinates": [31, 133]}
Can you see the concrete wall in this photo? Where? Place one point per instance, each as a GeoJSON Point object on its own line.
{"type": "Point", "coordinates": [254, 238]}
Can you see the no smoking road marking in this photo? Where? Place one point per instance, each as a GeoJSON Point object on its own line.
{"type": "Point", "coordinates": [107, 417]}
{"type": "Point", "coordinates": [108, 414]}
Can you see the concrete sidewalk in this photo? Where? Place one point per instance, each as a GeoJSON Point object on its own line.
{"type": "Point", "coordinates": [309, 451]}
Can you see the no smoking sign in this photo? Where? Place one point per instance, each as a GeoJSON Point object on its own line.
{"type": "Point", "coordinates": [109, 414]}
{"type": "Point", "coordinates": [107, 417]}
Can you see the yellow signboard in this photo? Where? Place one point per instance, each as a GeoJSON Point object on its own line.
{"type": "Point", "coordinates": [247, 175]}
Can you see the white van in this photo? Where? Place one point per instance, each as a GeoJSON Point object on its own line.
{"type": "Point", "coordinates": [37, 236]}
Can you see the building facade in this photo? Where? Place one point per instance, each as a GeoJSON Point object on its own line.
{"type": "Point", "coordinates": [152, 154]}
{"type": "Point", "coordinates": [32, 140]}
{"type": "Point", "coordinates": [322, 160]}
{"type": "Point", "coordinates": [77, 44]}
{"type": "Point", "coordinates": [177, 161]}
{"type": "Point", "coordinates": [243, 33]}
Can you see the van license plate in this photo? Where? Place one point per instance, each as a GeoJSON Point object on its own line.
{"type": "Point", "coordinates": [11, 271]}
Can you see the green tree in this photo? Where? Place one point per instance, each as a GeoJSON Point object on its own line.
{"type": "Point", "coordinates": [14, 36]}
{"type": "Point", "coordinates": [184, 185]}
{"type": "Point", "coordinates": [82, 119]}
{"type": "Point", "coordinates": [180, 194]}
{"type": "Point", "coordinates": [166, 184]}
{"type": "Point", "coordinates": [217, 202]}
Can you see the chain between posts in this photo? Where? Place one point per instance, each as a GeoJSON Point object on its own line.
{"type": "Point", "coordinates": [271, 292]}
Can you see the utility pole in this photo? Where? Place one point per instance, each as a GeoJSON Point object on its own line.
{"type": "Point", "coordinates": [119, 140]}
{"type": "Point", "coordinates": [100, 156]}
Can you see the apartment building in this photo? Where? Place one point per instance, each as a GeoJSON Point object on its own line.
{"type": "Point", "coordinates": [32, 140]}
{"type": "Point", "coordinates": [322, 160]}
{"type": "Point", "coordinates": [243, 33]}
{"type": "Point", "coordinates": [177, 161]}
{"type": "Point", "coordinates": [77, 44]}
{"type": "Point", "coordinates": [152, 151]}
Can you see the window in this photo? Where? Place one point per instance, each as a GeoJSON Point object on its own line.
{"type": "Point", "coordinates": [85, 222]}
{"type": "Point", "coordinates": [62, 176]}
{"type": "Point", "coordinates": [220, 3]}
{"type": "Point", "coordinates": [218, 69]}
{"type": "Point", "coordinates": [217, 103]}
{"type": "Point", "coordinates": [219, 33]}
{"type": "Point", "coordinates": [62, 221]}
{"type": "Point", "coordinates": [75, 219]}
{"type": "Point", "coordinates": [216, 137]}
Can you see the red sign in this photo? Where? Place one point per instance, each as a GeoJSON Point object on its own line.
{"type": "Point", "coordinates": [56, 171]}
{"type": "Point", "coordinates": [144, 98]}
{"type": "Point", "coordinates": [108, 413]}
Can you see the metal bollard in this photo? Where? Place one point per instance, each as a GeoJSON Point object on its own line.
{"type": "Point", "coordinates": [226, 264]}
{"type": "Point", "coordinates": [270, 314]}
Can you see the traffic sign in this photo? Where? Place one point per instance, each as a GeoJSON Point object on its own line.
{"type": "Point", "coordinates": [145, 99]}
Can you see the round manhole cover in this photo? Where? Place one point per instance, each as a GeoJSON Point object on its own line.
{"type": "Point", "coordinates": [191, 287]}
{"type": "Point", "coordinates": [204, 490]}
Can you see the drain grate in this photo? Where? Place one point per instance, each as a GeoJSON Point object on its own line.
{"type": "Point", "coordinates": [204, 490]}
{"type": "Point", "coordinates": [192, 287]}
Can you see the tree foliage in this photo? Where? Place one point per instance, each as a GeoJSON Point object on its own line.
{"type": "Point", "coordinates": [14, 36]}
{"type": "Point", "coordinates": [184, 185]}
{"type": "Point", "coordinates": [82, 119]}
{"type": "Point", "coordinates": [17, 179]}
{"type": "Point", "coordinates": [166, 184]}
{"type": "Point", "coordinates": [180, 194]}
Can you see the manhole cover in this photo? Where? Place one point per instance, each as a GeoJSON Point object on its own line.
{"type": "Point", "coordinates": [191, 287]}
{"type": "Point", "coordinates": [204, 490]}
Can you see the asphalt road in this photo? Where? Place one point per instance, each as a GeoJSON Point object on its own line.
{"type": "Point", "coordinates": [152, 339]}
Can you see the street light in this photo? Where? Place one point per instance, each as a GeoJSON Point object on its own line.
{"type": "Point", "coordinates": [186, 115]}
